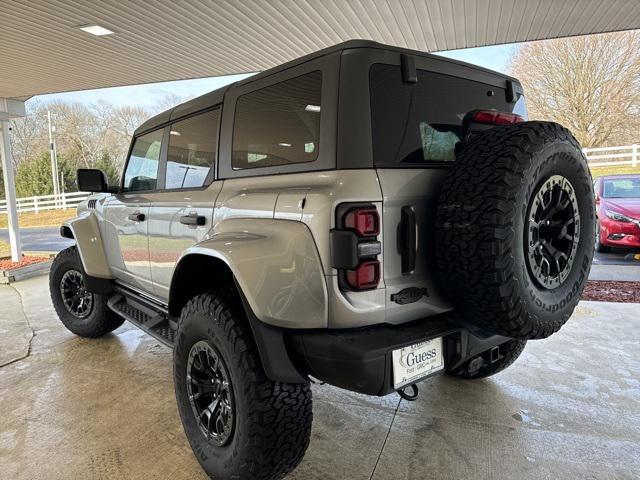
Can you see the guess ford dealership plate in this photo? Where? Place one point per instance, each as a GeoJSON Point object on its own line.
{"type": "Point", "coordinates": [417, 361]}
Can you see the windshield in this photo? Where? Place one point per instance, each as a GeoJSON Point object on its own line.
{"type": "Point", "coordinates": [628, 187]}
{"type": "Point", "coordinates": [421, 123]}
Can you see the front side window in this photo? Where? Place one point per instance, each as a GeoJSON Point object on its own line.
{"type": "Point", "coordinates": [418, 123]}
{"type": "Point", "coordinates": [279, 124]}
{"type": "Point", "coordinates": [142, 168]}
{"type": "Point", "coordinates": [193, 145]}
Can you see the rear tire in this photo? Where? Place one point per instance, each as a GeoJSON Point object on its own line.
{"type": "Point", "coordinates": [509, 353]}
{"type": "Point", "coordinates": [265, 426]}
{"type": "Point", "coordinates": [84, 313]}
{"type": "Point", "coordinates": [515, 229]}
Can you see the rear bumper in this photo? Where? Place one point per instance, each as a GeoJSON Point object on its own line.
{"type": "Point", "coordinates": [360, 359]}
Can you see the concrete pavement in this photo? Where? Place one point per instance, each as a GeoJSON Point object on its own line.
{"type": "Point", "coordinates": [78, 408]}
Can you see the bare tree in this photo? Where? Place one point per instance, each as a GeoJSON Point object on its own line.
{"type": "Point", "coordinates": [168, 101]}
{"type": "Point", "coordinates": [86, 135]}
{"type": "Point", "coordinates": [590, 84]}
{"type": "Point", "coordinates": [29, 133]}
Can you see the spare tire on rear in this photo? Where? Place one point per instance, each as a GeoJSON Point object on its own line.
{"type": "Point", "coordinates": [515, 229]}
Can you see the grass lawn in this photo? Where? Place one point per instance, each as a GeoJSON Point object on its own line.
{"type": "Point", "coordinates": [5, 249]}
{"type": "Point", "coordinates": [45, 218]}
{"type": "Point", "coordinates": [613, 170]}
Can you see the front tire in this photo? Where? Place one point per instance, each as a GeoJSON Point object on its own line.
{"type": "Point", "coordinates": [84, 313]}
{"type": "Point", "coordinates": [260, 429]}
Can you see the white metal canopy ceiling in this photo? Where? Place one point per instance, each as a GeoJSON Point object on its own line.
{"type": "Point", "coordinates": [42, 49]}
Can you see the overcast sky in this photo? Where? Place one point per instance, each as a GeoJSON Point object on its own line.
{"type": "Point", "coordinates": [494, 57]}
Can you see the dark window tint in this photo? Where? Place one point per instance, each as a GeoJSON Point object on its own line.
{"type": "Point", "coordinates": [417, 123]}
{"type": "Point", "coordinates": [278, 125]}
{"type": "Point", "coordinates": [142, 167]}
{"type": "Point", "coordinates": [193, 144]}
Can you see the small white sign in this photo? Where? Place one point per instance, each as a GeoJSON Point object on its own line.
{"type": "Point", "coordinates": [417, 361]}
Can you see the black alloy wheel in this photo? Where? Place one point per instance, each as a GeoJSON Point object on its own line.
{"type": "Point", "coordinates": [553, 232]}
{"type": "Point", "coordinates": [210, 393]}
{"type": "Point", "coordinates": [77, 300]}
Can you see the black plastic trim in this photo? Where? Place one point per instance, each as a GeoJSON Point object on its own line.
{"type": "Point", "coordinates": [102, 286]}
{"type": "Point", "coordinates": [274, 355]}
{"type": "Point", "coordinates": [409, 72]}
{"type": "Point", "coordinates": [344, 249]}
{"type": "Point", "coordinates": [360, 359]}
{"type": "Point", "coordinates": [407, 241]}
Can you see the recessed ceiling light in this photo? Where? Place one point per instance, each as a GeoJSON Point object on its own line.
{"type": "Point", "coordinates": [97, 30]}
{"type": "Point", "coordinates": [175, 132]}
{"type": "Point", "coordinates": [312, 108]}
{"type": "Point", "coordinates": [284, 144]}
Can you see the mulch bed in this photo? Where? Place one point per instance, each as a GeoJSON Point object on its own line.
{"type": "Point", "coordinates": [7, 264]}
{"type": "Point", "coordinates": [606, 291]}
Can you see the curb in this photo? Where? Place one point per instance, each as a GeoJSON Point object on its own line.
{"type": "Point", "coordinates": [22, 273]}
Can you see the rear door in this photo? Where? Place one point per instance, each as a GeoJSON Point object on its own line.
{"type": "Point", "coordinates": [126, 214]}
{"type": "Point", "coordinates": [181, 211]}
{"type": "Point", "coordinates": [416, 129]}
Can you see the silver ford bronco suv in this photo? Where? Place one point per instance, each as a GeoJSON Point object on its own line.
{"type": "Point", "coordinates": [367, 216]}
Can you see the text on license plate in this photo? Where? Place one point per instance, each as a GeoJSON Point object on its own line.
{"type": "Point", "coordinates": [416, 361]}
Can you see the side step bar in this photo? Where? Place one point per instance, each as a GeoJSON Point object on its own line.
{"type": "Point", "coordinates": [145, 314]}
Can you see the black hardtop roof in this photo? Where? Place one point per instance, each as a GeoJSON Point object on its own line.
{"type": "Point", "coordinates": [216, 96]}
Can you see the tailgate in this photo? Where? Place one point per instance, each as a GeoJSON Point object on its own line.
{"type": "Point", "coordinates": [408, 239]}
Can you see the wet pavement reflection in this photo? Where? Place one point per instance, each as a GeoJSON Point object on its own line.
{"type": "Point", "coordinates": [78, 408]}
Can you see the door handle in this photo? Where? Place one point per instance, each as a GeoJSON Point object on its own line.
{"type": "Point", "coordinates": [136, 217]}
{"type": "Point", "coordinates": [193, 220]}
{"type": "Point", "coordinates": [408, 239]}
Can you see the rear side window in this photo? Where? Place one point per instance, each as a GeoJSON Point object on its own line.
{"type": "Point", "coordinates": [279, 124]}
{"type": "Point", "coordinates": [193, 145]}
{"type": "Point", "coordinates": [142, 168]}
{"type": "Point", "coordinates": [421, 123]}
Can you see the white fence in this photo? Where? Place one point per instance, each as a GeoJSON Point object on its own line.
{"type": "Point", "coordinates": [47, 202]}
{"type": "Point", "coordinates": [610, 156]}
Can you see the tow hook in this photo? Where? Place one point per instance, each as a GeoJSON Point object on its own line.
{"type": "Point", "coordinates": [410, 397]}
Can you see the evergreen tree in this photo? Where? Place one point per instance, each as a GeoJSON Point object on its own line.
{"type": "Point", "coordinates": [107, 165]}
{"type": "Point", "coordinates": [33, 177]}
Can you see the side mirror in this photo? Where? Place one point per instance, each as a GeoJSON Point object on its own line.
{"type": "Point", "coordinates": [93, 180]}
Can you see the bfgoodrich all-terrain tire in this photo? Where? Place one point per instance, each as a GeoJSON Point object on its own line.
{"type": "Point", "coordinates": [240, 424]}
{"type": "Point", "coordinates": [515, 229]}
{"type": "Point", "coordinates": [482, 367]}
{"type": "Point", "coordinates": [82, 312]}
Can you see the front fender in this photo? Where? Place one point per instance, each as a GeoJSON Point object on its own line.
{"type": "Point", "coordinates": [277, 266]}
{"type": "Point", "coordinates": [86, 232]}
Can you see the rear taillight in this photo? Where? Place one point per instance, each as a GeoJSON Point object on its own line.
{"type": "Point", "coordinates": [493, 117]}
{"type": "Point", "coordinates": [355, 246]}
{"type": "Point", "coordinates": [365, 221]}
{"type": "Point", "coordinates": [365, 276]}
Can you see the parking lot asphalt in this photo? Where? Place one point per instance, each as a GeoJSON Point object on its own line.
{"type": "Point", "coordinates": [78, 408]}
{"type": "Point", "coordinates": [40, 239]}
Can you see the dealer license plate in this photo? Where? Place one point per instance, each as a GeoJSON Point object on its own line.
{"type": "Point", "coordinates": [417, 361]}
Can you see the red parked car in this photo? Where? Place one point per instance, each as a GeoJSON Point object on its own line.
{"type": "Point", "coordinates": [618, 210]}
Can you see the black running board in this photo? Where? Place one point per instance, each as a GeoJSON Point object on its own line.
{"type": "Point", "coordinates": [144, 314]}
